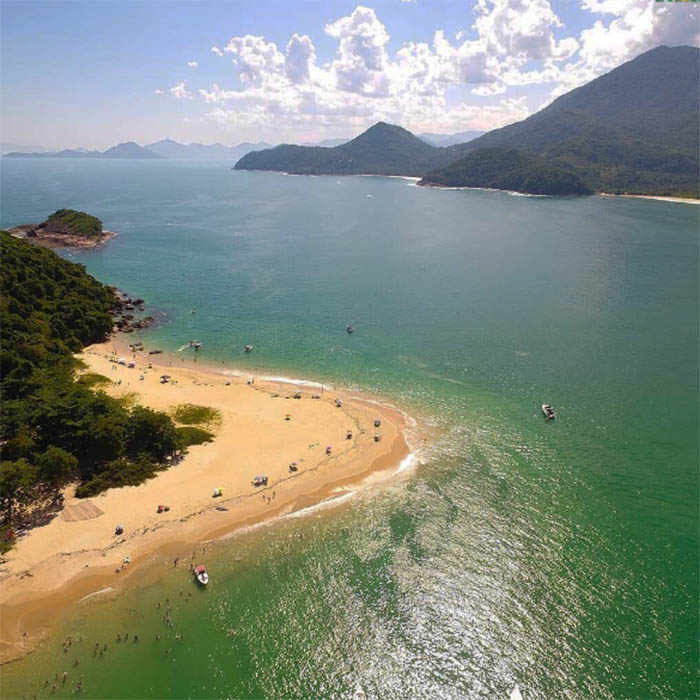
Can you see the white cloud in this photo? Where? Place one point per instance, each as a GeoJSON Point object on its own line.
{"type": "Point", "coordinates": [180, 91]}
{"type": "Point", "coordinates": [255, 58]}
{"type": "Point", "coordinates": [299, 59]}
{"type": "Point", "coordinates": [362, 56]}
{"type": "Point", "coordinates": [158, 91]}
{"type": "Point", "coordinates": [521, 29]}
{"type": "Point", "coordinates": [192, 64]}
{"type": "Point", "coordinates": [510, 44]}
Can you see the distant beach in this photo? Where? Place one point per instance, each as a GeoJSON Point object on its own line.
{"type": "Point", "coordinates": [72, 558]}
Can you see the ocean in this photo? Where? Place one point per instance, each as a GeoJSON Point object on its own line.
{"type": "Point", "coordinates": [560, 556]}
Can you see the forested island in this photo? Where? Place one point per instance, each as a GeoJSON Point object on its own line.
{"type": "Point", "coordinates": [65, 228]}
{"type": "Point", "coordinates": [58, 426]}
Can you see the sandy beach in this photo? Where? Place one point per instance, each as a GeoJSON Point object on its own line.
{"type": "Point", "coordinates": [660, 198]}
{"type": "Point", "coordinates": [77, 553]}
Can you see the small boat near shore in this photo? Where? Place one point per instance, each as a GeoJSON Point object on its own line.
{"type": "Point", "coordinates": [200, 574]}
{"type": "Point", "coordinates": [548, 411]}
{"type": "Point", "coordinates": [349, 329]}
{"type": "Point", "coordinates": [248, 348]}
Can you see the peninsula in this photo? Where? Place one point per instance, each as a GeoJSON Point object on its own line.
{"type": "Point", "coordinates": [65, 228]}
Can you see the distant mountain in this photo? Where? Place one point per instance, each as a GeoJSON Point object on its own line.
{"type": "Point", "coordinates": [168, 148]}
{"type": "Point", "coordinates": [633, 130]}
{"type": "Point", "coordinates": [450, 139]}
{"type": "Point", "coordinates": [384, 149]}
{"type": "Point", "coordinates": [503, 169]}
{"type": "Point", "coordinates": [130, 149]}
{"type": "Point", "coordinates": [6, 147]}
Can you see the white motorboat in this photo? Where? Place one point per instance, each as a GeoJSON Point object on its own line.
{"type": "Point", "coordinates": [548, 411]}
{"type": "Point", "coordinates": [200, 573]}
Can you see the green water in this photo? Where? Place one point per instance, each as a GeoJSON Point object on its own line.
{"type": "Point", "coordinates": [560, 556]}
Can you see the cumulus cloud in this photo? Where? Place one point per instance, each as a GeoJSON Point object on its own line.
{"type": "Point", "coordinates": [299, 59]}
{"type": "Point", "coordinates": [192, 64]}
{"type": "Point", "coordinates": [180, 91]}
{"type": "Point", "coordinates": [521, 29]}
{"type": "Point", "coordinates": [158, 91]}
{"type": "Point", "coordinates": [511, 44]}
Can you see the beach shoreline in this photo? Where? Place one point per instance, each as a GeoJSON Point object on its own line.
{"type": "Point", "coordinates": [657, 197]}
{"type": "Point", "coordinates": [56, 565]}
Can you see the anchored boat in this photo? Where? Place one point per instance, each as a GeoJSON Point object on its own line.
{"type": "Point", "coordinates": [200, 573]}
{"type": "Point", "coordinates": [548, 411]}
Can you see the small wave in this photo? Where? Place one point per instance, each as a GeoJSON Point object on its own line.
{"type": "Point", "coordinates": [102, 591]}
{"type": "Point", "coordinates": [407, 462]}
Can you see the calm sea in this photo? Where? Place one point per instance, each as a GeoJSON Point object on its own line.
{"type": "Point", "coordinates": [560, 556]}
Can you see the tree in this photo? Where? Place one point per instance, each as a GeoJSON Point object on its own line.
{"type": "Point", "coordinates": [150, 433]}
{"type": "Point", "coordinates": [17, 481]}
{"type": "Point", "coordinates": [55, 466]}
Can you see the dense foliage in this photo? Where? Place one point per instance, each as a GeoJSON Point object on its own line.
{"type": "Point", "coordinates": [634, 130]}
{"type": "Point", "coordinates": [384, 149]}
{"type": "Point", "coordinates": [503, 169]}
{"type": "Point", "coordinates": [75, 223]}
{"type": "Point", "coordinates": [54, 428]}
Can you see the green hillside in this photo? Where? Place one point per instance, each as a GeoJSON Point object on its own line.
{"type": "Point", "coordinates": [384, 149]}
{"type": "Point", "coordinates": [505, 169]}
{"type": "Point", "coordinates": [633, 130]}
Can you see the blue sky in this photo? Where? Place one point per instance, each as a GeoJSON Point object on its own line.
{"type": "Point", "coordinates": [95, 73]}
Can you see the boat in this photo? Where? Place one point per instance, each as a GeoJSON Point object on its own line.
{"type": "Point", "coordinates": [200, 573]}
{"type": "Point", "coordinates": [248, 348]}
{"type": "Point", "coordinates": [548, 411]}
{"type": "Point", "coordinates": [349, 329]}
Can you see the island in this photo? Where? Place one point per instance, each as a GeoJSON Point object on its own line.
{"type": "Point", "coordinates": [65, 228]}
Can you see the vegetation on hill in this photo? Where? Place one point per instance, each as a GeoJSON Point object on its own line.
{"type": "Point", "coordinates": [74, 223]}
{"type": "Point", "coordinates": [56, 429]}
{"type": "Point", "coordinates": [504, 169]}
{"type": "Point", "coordinates": [384, 149]}
{"type": "Point", "coordinates": [633, 130]}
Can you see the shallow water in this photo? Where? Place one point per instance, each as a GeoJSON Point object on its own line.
{"type": "Point", "coordinates": [562, 556]}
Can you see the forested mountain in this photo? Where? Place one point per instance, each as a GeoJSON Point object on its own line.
{"type": "Point", "coordinates": [505, 169]}
{"type": "Point", "coordinates": [632, 130]}
{"type": "Point", "coordinates": [384, 149]}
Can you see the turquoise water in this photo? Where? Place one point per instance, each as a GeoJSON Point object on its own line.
{"type": "Point", "coordinates": [560, 556]}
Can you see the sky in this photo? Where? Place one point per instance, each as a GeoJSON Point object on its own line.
{"type": "Point", "coordinates": [93, 74]}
